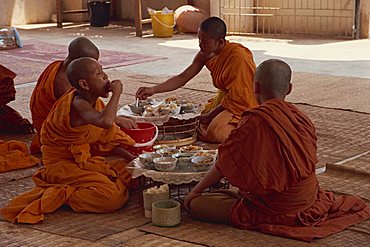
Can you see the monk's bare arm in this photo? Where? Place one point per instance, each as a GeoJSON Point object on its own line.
{"type": "Point", "coordinates": [212, 177]}
{"type": "Point", "coordinates": [107, 116]}
{"type": "Point", "coordinates": [174, 82]}
{"type": "Point", "coordinates": [61, 85]}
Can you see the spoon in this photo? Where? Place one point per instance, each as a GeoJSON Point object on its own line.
{"type": "Point", "coordinates": [137, 102]}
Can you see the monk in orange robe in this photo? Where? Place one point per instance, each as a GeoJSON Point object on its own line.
{"type": "Point", "coordinates": [10, 119]}
{"type": "Point", "coordinates": [232, 69]}
{"type": "Point", "coordinates": [78, 130]}
{"type": "Point", "coordinates": [271, 158]}
{"type": "Point", "coordinates": [53, 83]}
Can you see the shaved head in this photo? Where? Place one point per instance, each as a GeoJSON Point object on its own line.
{"type": "Point", "coordinates": [80, 68]}
{"type": "Point", "coordinates": [215, 27]}
{"type": "Point", "coordinates": [82, 47]}
{"type": "Point", "coordinates": [273, 77]}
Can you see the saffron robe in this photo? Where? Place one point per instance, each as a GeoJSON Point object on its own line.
{"type": "Point", "coordinates": [71, 174]}
{"type": "Point", "coordinates": [42, 100]}
{"type": "Point", "coordinates": [14, 155]}
{"type": "Point", "coordinates": [271, 158]}
{"type": "Point", "coordinates": [232, 72]}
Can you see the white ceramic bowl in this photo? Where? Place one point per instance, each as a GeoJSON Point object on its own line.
{"type": "Point", "coordinates": [147, 159]}
{"type": "Point", "coordinates": [167, 152]}
{"type": "Point", "coordinates": [165, 163]}
{"type": "Point", "coordinates": [203, 163]}
{"type": "Point", "coordinates": [183, 160]}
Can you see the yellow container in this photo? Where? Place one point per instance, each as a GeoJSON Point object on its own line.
{"type": "Point", "coordinates": [162, 24]}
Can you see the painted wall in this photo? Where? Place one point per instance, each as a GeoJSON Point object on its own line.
{"type": "Point", "coordinates": [25, 11]}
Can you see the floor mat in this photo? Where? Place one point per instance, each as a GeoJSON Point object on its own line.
{"type": "Point", "coordinates": [29, 62]}
{"type": "Point", "coordinates": [218, 235]}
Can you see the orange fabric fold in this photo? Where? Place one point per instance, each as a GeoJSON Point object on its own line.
{"type": "Point", "coordinates": [281, 195]}
{"type": "Point", "coordinates": [42, 100]}
{"type": "Point", "coordinates": [71, 174]}
{"type": "Point", "coordinates": [232, 72]}
{"type": "Point", "coordinates": [14, 155]}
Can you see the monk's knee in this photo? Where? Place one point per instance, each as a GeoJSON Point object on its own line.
{"type": "Point", "coordinates": [97, 200]}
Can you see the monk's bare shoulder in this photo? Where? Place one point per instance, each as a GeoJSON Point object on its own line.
{"type": "Point", "coordinates": [78, 105]}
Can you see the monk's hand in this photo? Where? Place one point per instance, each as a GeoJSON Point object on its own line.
{"type": "Point", "coordinates": [188, 198]}
{"type": "Point", "coordinates": [205, 119]}
{"type": "Point", "coordinates": [126, 123]}
{"type": "Point", "coordinates": [116, 87]}
{"type": "Point", "coordinates": [144, 92]}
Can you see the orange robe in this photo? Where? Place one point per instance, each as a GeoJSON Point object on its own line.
{"type": "Point", "coordinates": [71, 174]}
{"type": "Point", "coordinates": [42, 100]}
{"type": "Point", "coordinates": [14, 155]}
{"type": "Point", "coordinates": [232, 72]}
{"type": "Point", "coordinates": [276, 177]}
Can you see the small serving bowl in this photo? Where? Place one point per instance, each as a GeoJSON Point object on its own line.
{"type": "Point", "coordinates": [167, 152]}
{"type": "Point", "coordinates": [203, 163]}
{"type": "Point", "coordinates": [147, 159]}
{"type": "Point", "coordinates": [183, 160]}
{"type": "Point", "coordinates": [137, 109]}
{"type": "Point", "coordinates": [165, 163]}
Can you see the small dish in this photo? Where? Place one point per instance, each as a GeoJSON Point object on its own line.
{"type": "Point", "coordinates": [183, 160]}
{"type": "Point", "coordinates": [147, 159]}
{"type": "Point", "coordinates": [167, 152]}
{"type": "Point", "coordinates": [161, 146]}
{"type": "Point", "coordinates": [190, 149]}
{"type": "Point", "coordinates": [203, 163]}
{"type": "Point", "coordinates": [136, 109]}
{"type": "Point", "coordinates": [165, 163]}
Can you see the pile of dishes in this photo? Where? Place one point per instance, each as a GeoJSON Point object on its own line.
{"type": "Point", "coordinates": [169, 106]}
{"type": "Point", "coordinates": [188, 158]}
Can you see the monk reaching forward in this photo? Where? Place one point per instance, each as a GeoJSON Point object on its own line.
{"type": "Point", "coordinates": [77, 131]}
{"type": "Point", "coordinates": [232, 69]}
{"type": "Point", "coordinates": [271, 158]}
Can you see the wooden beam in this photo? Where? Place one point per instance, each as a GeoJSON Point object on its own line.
{"type": "Point", "coordinates": [59, 13]}
{"type": "Point", "coordinates": [138, 18]}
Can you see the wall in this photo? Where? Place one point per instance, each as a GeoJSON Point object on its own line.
{"type": "Point", "coordinates": [15, 12]}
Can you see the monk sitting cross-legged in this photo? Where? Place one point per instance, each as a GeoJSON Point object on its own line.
{"type": "Point", "coordinates": [77, 131]}
{"type": "Point", "coordinates": [232, 69]}
{"type": "Point", "coordinates": [271, 158]}
{"type": "Point", "coordinates": [53, 83]}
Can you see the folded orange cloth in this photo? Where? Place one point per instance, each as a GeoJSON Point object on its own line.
{"type": "Point", "coordinates": [14, 155]}
{"type": "Point", "coordinates": [71, 174]}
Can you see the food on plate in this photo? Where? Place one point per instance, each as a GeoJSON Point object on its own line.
{"type": "Point", "coordinates": [190, 148]}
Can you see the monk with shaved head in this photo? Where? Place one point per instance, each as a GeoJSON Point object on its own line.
{"type": "Point", "coordinates": [53, 83]}
{"type": "Point", "coordinates": [78, 132]}
{"type": "Point", "coordinates": [271, 159]}
{"type": "Point", "coordinates": [232, 69]}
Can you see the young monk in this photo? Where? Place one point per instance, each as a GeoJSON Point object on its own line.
{"type": "Point", "coordinates": [53, 83]}
{"type": "Point", "coordinates": [232, 69]}
{"type": "Point", "coordinates": [76, 131]}
{"type": "Point", "coordinates": [271, 158]}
